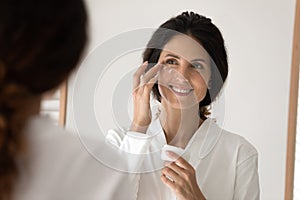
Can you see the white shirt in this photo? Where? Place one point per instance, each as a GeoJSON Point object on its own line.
{"type": "Point", "coordinates": [225, 163]}
{"type": "Point", "coordinates": [58, 167]}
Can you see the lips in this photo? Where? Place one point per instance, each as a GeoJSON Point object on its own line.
{"type": "Point", "coordinates": [181, 90]}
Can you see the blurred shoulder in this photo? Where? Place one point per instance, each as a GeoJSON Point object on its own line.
{"type": "Point", "coordinates": [54, 153]}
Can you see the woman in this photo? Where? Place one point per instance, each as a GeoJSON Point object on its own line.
{"type": "Point", "coordinates": [185, 66]}
{"type": "Point", "coordinates": [41, 42]}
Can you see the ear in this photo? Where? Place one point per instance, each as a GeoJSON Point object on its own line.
{"type": "Point", "coordinates": [209, 84]}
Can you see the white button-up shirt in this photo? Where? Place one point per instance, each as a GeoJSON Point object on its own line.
{"type": "Point", "coordinates": [225, 163]}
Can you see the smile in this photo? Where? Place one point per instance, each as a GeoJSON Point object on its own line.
{"type": "Point", "coordinates": [180, 91]}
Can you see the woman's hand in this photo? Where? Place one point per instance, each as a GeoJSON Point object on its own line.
{"type": "Point", "coordinates": [180, 177]}
{"type": "Point", "coordinates": [142, 86]}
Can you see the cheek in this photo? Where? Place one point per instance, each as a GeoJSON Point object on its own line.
{"type": "Point", "coordinates": [200, 86]}
{"type": "Point", "coordinates": [166, 94]}
{"type": "Point", "coordinates": [164, 78]}
{"type": "Point", "coordinates": [205, 76]}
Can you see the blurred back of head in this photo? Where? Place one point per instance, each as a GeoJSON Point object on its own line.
{"type": "Point", "coordinates": [40, 43]}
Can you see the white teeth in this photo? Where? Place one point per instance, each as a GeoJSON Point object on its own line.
{"type": "Point", "coordinates": [180, 90]}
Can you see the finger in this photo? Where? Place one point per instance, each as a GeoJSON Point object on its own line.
{"type": "Point", "coordinates": [184, 176]}
{"type": "Point", "coordinates": [169, 173]}
{"type": "Point", "coordinates": [152, 72]}
{"type": "Point", "coordinates": [138, 73]}
{"type": "Point", "coordinates": [177, 169]}
{"type": "Point", "coordinates": [167, 163]}
{"type": "Point", "coordinates": [151, 83]}
{"type": "Point", "coordinates": [168, 182]}
{"type": "Point", "coordinates": [179, 160]}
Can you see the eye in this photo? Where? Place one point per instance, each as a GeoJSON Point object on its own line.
{"type": "Point", "coordinates": [171, 62]}
{"type": "Point", "coordinates": [197, 65]}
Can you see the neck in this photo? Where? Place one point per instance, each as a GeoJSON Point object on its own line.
{"type": "Point", "coordinates": [179, 125]}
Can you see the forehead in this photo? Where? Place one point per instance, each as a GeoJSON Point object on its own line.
{"type": "Point", "coordinates": [186, 47]}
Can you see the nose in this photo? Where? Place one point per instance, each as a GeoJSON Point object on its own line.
{"type": "Point", "coordinates": [183, 71]}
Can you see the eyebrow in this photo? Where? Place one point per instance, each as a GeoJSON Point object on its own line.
{"type": "Point", "coordinates": [172, 55]}
{"type": "Point", "coordinates": [197, 59]}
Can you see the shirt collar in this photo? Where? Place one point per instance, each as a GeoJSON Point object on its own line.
{"type": "Point", "coordinates": [202, 142]}
{"type": "Point", "coordinates": [212, 133]}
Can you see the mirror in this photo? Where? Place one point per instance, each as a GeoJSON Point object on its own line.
{"type": "Point", "coordinates": [258, 36]}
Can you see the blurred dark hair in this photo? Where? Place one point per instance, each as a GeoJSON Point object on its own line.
{"type": "Point", "coordinates": [208, 35]}
{"type": "Point", "coordinates": [40, 43]}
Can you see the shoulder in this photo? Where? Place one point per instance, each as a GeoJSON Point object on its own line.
{"type": "Point", "coordinates": [53, 149]}
{"type": "Point", "coordinates": [43, 134]}
{"type": "Point", "coordinates": [238, 145]}
{"type": "Point", "coordinates": [54, 142]}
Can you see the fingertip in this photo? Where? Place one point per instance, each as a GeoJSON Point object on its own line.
{"type": "Point", "coordinates": [167, 163]}
{"type": "Point", "coordinates": [145, 63]}
{"type": "Point", "coordinates": [172, 154]}
{"type": "Point", "coordinates": [163, 178]}
{"type": "Point", "coordinates": [153, 80]}
{"type": "Point", "coordinates": [160, 65]}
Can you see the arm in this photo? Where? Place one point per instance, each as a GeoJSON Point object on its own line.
{"type": "Point", "coordinates": [133, 145]}
{"type": "Point", "coordinates": [130, 148]}
{"type": "Point", "coordinates": [247, 181]}
{"type": "Point", "coordinates": [135, 141]}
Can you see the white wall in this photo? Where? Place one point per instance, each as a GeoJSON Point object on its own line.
{"type": "Point", "coordinates": [258, 36]}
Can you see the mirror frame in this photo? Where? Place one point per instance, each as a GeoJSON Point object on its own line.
{"type": "Point", "coordinates": [63, 104]}
{"type": "Point", "coordinates": [293, 105]}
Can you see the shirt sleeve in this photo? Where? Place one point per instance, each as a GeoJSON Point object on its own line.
{"type": "Point", "coordinates": [247, 180]}
{"type": "Point", "coordinates": [134, 146]}
{"type": "Point", "coordinates": [130, 141]}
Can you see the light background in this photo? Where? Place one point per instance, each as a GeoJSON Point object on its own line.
{"type": "Point", "coordinates": [258, 36]}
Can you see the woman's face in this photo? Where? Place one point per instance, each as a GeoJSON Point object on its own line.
{"type": "Point", "coordinates": [183, 81]}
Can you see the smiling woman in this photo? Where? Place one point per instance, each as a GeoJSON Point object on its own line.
{"type": "Point", "coordinates": [185, 67]}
